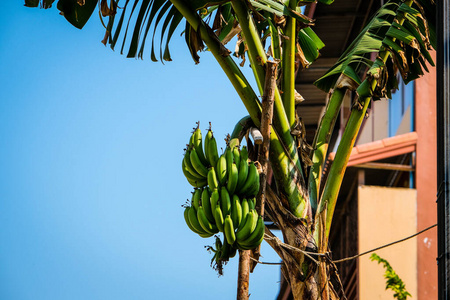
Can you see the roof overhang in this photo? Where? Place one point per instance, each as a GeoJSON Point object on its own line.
{"type": "Point", "coordinates": [378, 150]}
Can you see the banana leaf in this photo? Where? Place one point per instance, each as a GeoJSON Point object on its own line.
{"type": "Point", "coordinates": [32, 3]}
{"type": "Point", "coordinates": [35, 3]}
{"type": "Point", "coordinates": [76, 14]}
{"type": "Point", "coordinates": [159, 16]}
{"type": "Point", "coordinates": [310, 44]}
{"type": "Point", "coordinates": [408, 45]}
{"type": "Point", "coordinates": [280, 9]}
{"type": "Point", "coordinates": [113, 41]}
{"type": "Point", "coordinates": [356, 57]}
{"type": "Point", "coordinates": [194, 42]}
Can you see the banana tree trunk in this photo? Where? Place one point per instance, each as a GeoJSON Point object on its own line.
{"type": "Point", "coordinates": [303, 268]}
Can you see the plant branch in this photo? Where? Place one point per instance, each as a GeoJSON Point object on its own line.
{"type": "Point", "coordinates": [321, 142]}
{"type": "Point", "coordinates": [263, 155]}
{"type": "Point", "coordinates": [243, 275]}
{"type": "Point", "coordinates": [288, 67]}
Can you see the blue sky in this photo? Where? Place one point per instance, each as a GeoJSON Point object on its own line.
{"type": "Point", "coordinates": [91, 186]}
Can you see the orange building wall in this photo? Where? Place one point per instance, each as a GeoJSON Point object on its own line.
{"type": "Point", "coordinates": [385, 215]}
{"type": "Point", "coordinates": [425, 125]}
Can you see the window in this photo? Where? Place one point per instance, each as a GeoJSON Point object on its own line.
{"type": "Point", "coordinates": [401, 103]}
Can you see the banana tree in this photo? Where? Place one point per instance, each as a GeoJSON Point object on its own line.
{"type": "Point", "coordinates": [301, 203]}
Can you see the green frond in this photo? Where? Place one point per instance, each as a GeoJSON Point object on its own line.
{"type": "Point", "coordinates": [280, 9]}
{"type": "Point", "coordinates": [159, 19]}
{"type": "Point", "coordinates": [408, 45]}
{"type": "Point", "coordinates": [310, 44]}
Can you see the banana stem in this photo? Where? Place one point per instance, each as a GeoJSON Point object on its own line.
{"type": "Point", "coordinates": [321, 142]}
{"type": "Point", "coordinates": [288, 68]}
{"type": "Point", "coordinates": [241, 127]}
{"type": "Point", "coordinates": [287, 168]}
{"type": "Point", "coordinates": [334, 180]}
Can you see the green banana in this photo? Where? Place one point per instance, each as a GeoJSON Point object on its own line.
{"type": "Point", "coordinates": [197, 164]}
{"type": "Point", "coordinates": [204, 223]}
{"type": "Point", "coordinates": [197, 143]}
{"type": "Point", "coordinates": [254, 191]}
{"type": "Point", "coordinates": [255, 188]}
{"type": "Point", "coordinates": [208, 138]}
{"type": "Point", "coordinates": [251, 203]}
{"type": "Point", "coordinates": [212, 179]}
{"type": "Point", "coordinates": [251, 181]}
{"type": "Point", "coordinates": [255, 238]}
{"type": "Point", "coordinates": [248, 227]}
{"type": "Point", "coordinates": [214, 199]}
{"type": "Point", "coordinates": [188, 164]}
{"type": "Point", "coordinates": [206, 204]}
{"type": "Point", "coordinates": [198, 184]}
{"type": "Point", "coordinates": [195, 182]}
{"type": "Point", "coordinates": [242, 174]}
{"type": "Point", "coordinates": [205, 235]}
{"type": "Point", "coordinates": [225, 201]}
{"type": "Point", "coordinates": [192, 215]}
{"type": "Point", "coordinates": [188, 174]}
{"type": "Point", "coordinates": [244, 153]}
{"type": "Point", "coordinates": [221, 169]}
{"type": "Point", "coordinates": [186, 219]}
{"type": "Point", "coordinates": [229, 158]}
{"type": "Point", "coordinates": [196, 198]}
{"type": "Point", "coordinates": [211, 150]}
{"type": "Point", "coordinates": [229, 230]}
{"type": "Point", "coordinates": [218, 217]}
{"type": "Point", "coordinates": [236, 155]}
{"type": "Point", "coordinates": [245, 209]}
{"type": "Point", "coordinates": [232, 178]}
{"type": "Point", "coordinates": [236, 211]}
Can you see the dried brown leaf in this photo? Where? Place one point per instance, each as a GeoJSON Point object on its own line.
{"type": "Point", "coordinates": [106, 10]}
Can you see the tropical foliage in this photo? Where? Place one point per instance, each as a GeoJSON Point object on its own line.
{"type": "Point", "coordinates": [302, 203]}
{"type": "Point", "coordinates": [393, 281]}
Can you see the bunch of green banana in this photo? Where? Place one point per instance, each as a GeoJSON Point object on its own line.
{"type": "Point", "coordinates": [225, 187]}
